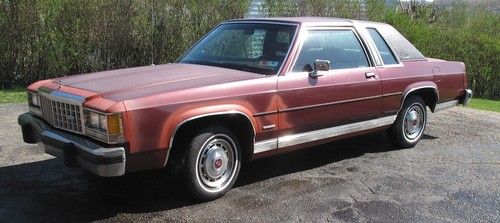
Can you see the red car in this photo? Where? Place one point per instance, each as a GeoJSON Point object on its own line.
{"type": "Point", "coordinates": [250, 88]}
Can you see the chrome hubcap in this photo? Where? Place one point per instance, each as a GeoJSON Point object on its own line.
{"type": "Point", "coordinates": [217, 162]}
{"type": "Point", "coordinates": [414, 122]}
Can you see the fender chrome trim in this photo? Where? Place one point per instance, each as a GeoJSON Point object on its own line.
{"type": "Point", "coordinates": [305, 137]}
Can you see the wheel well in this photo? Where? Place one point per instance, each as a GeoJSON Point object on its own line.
{"type": "Point", "coordinates": [429, 95]}
{"type": "Point", "coordinates": [239, 124]}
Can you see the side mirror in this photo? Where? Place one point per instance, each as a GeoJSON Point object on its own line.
{"type": "Point", "coordinates": [320, 65]}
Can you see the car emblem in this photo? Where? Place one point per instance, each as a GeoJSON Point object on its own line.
{"type": "Point", "coordinates": [70, 117]}
{"type": "Point", "coordinates": [218, 163]}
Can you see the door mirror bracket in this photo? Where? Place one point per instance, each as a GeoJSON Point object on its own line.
{"type": "Point", "coordinates": [319, 65]}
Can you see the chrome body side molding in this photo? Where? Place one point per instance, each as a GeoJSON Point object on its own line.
{"type": "Point", "coordinates": [265, 145]}
{"type": "Point", "coordinates": [305, 137]}
{"type": "Point", "coordinates": [320, 134]}
{"type": "Point", "coordinates": [445, 105]}
{"type": "Point", "coordinates": [464, 100]}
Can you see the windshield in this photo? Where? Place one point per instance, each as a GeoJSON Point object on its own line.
{"type": "Point", "coordinates": [252, 47]}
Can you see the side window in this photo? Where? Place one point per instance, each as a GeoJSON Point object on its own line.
{"type": "Point", "coordinates": [382, 47]}
{"type": "Point", "coordinates": [341, 47]}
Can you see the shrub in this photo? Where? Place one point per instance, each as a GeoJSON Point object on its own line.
{"type": "Point", "coordinates": [325, 8]}
{"type": "Point", "coordinates": [48, 38]}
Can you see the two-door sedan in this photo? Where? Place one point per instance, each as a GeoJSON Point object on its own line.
{"type": "Point", "coordinates": [250, 88]}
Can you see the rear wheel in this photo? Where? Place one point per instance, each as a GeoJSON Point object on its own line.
{"type": "Point", "coordinates": [212, 163]}
{"type": "Point", "coordinates": [410, 123]}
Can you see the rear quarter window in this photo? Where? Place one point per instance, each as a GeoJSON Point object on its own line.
{"type": "Point", "coordinates": [404, 49]}
{"type": "Point", "coordinates": [385, 52]}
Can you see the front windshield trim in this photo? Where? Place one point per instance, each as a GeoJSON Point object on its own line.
{"type": "Point", "coordinates": [292, 42]}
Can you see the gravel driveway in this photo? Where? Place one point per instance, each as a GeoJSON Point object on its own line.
{"type": "Point", "coordinates": [452, 175]}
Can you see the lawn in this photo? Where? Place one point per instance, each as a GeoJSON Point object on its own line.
{"type": "Point", "coordinates": [485, 104]}
{"type": "Point", "coordinates": [12, 96]}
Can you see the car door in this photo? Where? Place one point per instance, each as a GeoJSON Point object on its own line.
{"type": "Point", "coordinates": [349, 92]}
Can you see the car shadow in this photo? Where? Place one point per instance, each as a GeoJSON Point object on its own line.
{"type": "Point", "coordinates": [48, 191]}
{"type": "Point", "coordinates": [425, 136]}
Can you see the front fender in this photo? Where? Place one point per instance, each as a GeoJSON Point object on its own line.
{"type": "Point", "coordinates": [180, 117]}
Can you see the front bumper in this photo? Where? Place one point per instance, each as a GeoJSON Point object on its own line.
{"type": "Point", "coordinates": [74, 149]}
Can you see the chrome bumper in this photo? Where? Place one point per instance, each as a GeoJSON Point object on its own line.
{"type": "Point", "coordinates": [466, 98]}
{"type": "Point", "coordinates": [75, 150]}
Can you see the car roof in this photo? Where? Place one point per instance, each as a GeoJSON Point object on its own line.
{"type": "Point", "coordinates": [307, 21]}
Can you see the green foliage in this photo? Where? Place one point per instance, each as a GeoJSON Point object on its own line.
{"type": "Point", "coordinates": [458, 33]}
{"type": "Point", "coordinates": [325, 8]}
{"type": "Point", "coordinates": [485, 104]}
{"type": "Point", "coordinates": [48, 38]}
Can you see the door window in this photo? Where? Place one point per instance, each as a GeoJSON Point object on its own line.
{"type": "Point", "coordinates": [341, 47]}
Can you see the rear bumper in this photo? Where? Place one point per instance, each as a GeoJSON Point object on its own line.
{"type": "Point", "coordinates": [466, 97]}
{"type": "Point", "coordinates": [74, 149]}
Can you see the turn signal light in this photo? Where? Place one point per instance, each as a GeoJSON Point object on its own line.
{"type": "Point", "coordinates": [114, 125]}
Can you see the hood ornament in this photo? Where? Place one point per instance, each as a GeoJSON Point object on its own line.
{"type": "Point", "coordinates": [60, 83]}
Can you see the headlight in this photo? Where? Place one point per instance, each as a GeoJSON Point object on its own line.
{"type": "Point", "coordinates": [33, 99]}
{"type": "Point", "coordinates": [106, 127]}
{"type": "Point", "coordinates": [103, 122]}
{"type": "Point", "coordinates": [93, 120]}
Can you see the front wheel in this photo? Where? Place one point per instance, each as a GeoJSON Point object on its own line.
{"type": "Point", "coordinates": [410, 123]}
{"type": "Point", "coordinates": [212, 163]}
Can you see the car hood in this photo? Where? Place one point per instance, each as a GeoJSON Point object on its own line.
{"type": "Point", "coordinates": [124, 84]}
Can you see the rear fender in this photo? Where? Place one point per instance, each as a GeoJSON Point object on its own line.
{"type": "Point", "coordinates": [419, 87]}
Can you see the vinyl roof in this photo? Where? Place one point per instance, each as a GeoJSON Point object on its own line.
{"type": "Point", "coordinates": [301, 20]}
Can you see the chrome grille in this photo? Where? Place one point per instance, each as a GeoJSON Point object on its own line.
{"type": "Point", "coordinates": [61, 115]}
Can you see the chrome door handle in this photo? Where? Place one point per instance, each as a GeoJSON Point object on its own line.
{"type": "Point", "coordinates": [369, 75]}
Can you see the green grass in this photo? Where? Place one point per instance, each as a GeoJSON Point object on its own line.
{"type": "Point", "coordinates": [485, 104]}
{"type": "Point", "coordinates": [13, 96]}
